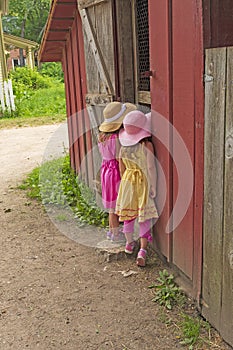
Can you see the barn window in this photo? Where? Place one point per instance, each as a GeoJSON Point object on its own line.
{"type": "Point", "coordinates": [142, 50]}
{"type": "Point", "coordinates": [143, 43]}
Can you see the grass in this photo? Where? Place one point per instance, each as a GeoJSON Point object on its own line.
{"type": "Point", "coordinates": [19, 122]}
{"type": "Point", "coordinates": [191, 330]}
{"type": "Point", "coordinates": [55, 183]}
{"type": "Point", "coordinates": [167, 292]}
{"type": "Point", "coordinates": [43, 106]}
{"type": "Point", "coordinates": [45, 102]}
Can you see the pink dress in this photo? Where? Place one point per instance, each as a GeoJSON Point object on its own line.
{"type": "Point", "coordinates": [110, 173]}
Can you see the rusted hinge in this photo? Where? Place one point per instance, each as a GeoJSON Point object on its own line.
{"type": "Point", "coordinates": [208, 78]}
{"type": "Point", "coordinates": [147, 74]}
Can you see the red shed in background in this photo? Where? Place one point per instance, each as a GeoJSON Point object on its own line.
{"type": "Point", "coordinates": [152, 53]}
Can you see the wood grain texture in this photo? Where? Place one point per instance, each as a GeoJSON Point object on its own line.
{"type": "Point", "coordinates": [98, 45]}
{"type": "Point", "coordinates": [227, 282]}
{"type": "Point", "coordinates": [83, 4]}
{"type": "Point", "coordinates": [213, 183]}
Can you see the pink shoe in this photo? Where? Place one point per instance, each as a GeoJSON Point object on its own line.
{"type": "Point", "coordinates": [129, 247]}
{"type": "Point", "coordinates": [109, 235]}
{"type": "Point", "coordinates": [141, 258]}
{"type": "Point", "coordinates": [119, 238]}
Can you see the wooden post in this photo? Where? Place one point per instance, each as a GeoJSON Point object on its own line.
{"type": "Point", "coordinates": [30, 58]}
{"type": "Point", "coordinates": [227, 278]}
{"type": "Point", "coordinates": [2, 100]}
{"type": "Point", "coordinates": [215, 82]}
{"type": "Point", "coordinates": [2, 52]}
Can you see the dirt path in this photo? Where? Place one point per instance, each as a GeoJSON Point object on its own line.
{"type": "Point", "coordinates": [56, 293]}
{"type": "Point", "coordinates": [23, 149]}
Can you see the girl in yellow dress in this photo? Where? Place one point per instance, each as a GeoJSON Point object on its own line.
{"type": "Point", "coordinates": [138, 181]}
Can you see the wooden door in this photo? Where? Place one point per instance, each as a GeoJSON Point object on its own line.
{"type": "Point", "coordinates": [177, 98]}
{"type": "Point", "coordinates": [108, 44]}
{"type": "Point", "coordinates": [217, 291]}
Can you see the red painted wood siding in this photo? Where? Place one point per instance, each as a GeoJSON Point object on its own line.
{"type": "Point", "coordinates": [183, 48]}
{"type": "Point", "coordinates": [161, 103]}
{"type": "Point", "coordinates": [78, 120]}
{"type": "Point", "coordinates": [176, 55]}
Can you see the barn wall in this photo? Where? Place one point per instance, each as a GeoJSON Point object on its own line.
{"type": "Point", "coordinates": [177, 95]}
{"type": "Point", "coordinates": [161, 102]}
{"type": "Point", "coordinates": [218, 23]}
{"type": "Point", "coordinates": [187, 94]}
{"type": "Point", "coordinates": [78, 119]}
{"type": "Point", "coordinates": [217, 289]}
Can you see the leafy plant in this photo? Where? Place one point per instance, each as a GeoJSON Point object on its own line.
{"type": "Point", "coordinates": [44, 102]}
{"type": "Point", "coordinates": [52, 70]}
{"type": "Point", "coordinates": [190, 329]}
{"type": "Point", "coordinates": [167, 292]}
{"type": "Point", "coordinates": [29, 78]}
{"type": "Point", "coordinates": [36, 95]}
{"type": "Point", "coordinates": [7, 113]}
{"type": "Point", "coordinates": [55, 183]}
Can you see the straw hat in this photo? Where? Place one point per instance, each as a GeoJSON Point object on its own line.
{"type": "Point", "coordinates": [114, 114]}
{"type": "Point", "coordinates": [137, 126]}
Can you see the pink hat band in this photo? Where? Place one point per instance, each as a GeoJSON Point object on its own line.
{"type": "Point", "coordinates": [131, 129]}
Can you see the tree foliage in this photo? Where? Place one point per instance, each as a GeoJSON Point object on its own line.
{"type": "Point", "coordinates": [27, 18]}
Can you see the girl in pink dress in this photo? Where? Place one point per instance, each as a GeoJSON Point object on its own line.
{"type": "Point", "coordinates": [109, 146]}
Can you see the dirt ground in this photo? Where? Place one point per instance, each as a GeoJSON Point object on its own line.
{"type": "Point", "coordinates": [59, 292]}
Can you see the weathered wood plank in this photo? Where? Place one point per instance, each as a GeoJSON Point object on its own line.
{"type": "Point", "coordinates": [104, 34]}
{"type": "Point", "coordinates": [96, 117]}
{"type": "Point", "coordinates": [97, 51]}
{"type": "Point", "coordinates": [227, 286]}
{"type": "Point", "coordinates": [83, 4]}
{"type": "Point", "coordinates": [98, 99]}
{"type": "Point", "coordinates": [92, 73]}
{"type": "Point", "coordinates": [213, 183]}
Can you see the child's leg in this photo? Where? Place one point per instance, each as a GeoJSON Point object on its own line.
{"type": "Point", "coordinates": [113, 220]}
{"type": "Point", "coordinates": [128, 231]}
{"type": "Point", "coordinates": [145, 236]}
{"type": "Point", "coordinates": [116, 235]}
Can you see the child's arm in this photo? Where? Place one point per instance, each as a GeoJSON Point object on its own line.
{"type": "Point", "coordinates": [151, 168]}
{"type": "Point", "coordinates": [121, 165]}
{"type": "Point", "coordinates": [118, 148]}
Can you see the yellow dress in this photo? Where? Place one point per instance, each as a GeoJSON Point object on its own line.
{"type": "Point", "coordinates": [133, 199]}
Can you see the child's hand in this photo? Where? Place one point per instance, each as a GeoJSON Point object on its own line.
{"type": "Point", "coordinates": [152, 192]}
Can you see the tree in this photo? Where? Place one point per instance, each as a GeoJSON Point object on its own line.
{"type": "Point", "coordinates": [27, 18]}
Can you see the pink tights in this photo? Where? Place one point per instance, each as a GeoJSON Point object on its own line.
{"type": "Point", "coordinates": [144, 228]}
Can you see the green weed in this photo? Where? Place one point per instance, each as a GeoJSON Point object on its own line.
{"type": "Point", "coordinates": [167, 293]}
{"type": "Point", "coordinates": [36, 95]}
{"type": "Point", "coordinates": [193, 331]}
{"type": "Point", "coordinates": [61, 217]}
{"type": "Point", "coordinates": [190, 329]}
{"type": "Point", "coordinates": [55, 183]}
{"type": "Point", "coordinates": [45, 102]}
